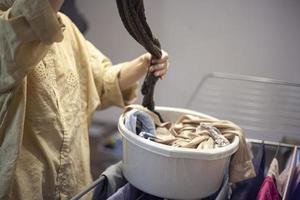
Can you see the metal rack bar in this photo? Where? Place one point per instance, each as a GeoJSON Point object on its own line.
{"type": "Point", "coordinates": [238, 77]}
{"type": "Point", "coordinates": [271, 143]}
{"type": "Point", "coordinates": [88, 188]}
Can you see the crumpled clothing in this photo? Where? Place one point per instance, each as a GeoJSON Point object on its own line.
{"type": "Point", "coordinates": [268, 190]}
{"type": "Point", "coordinates": [114, 180]}
{"type": "Point", "coordinates": [116, 187]}
{"type": "Point", "coordinates": [129, 192]}
{"type": "Point", "coordinates": [189, 132]}
{"type": "Point", "coordinates": [273, 169]}
{"type": "Point", "coordinates": [281, 180]}
{"type": "Point", "coordinates": [295, 187]}
{"type": "Point", "coordinates": [214, 133]}
{"type": "Point", "coordinates": [287, 180]}
{"type": "Point", "coordinates": [140, 122]}
{"type": "Point", "coordinates": [248, 189]}
{"type": "Point", "coordinates": [185, 132]}
{"type": "Point", "coordinates": [295, 191]}
{"type": "Point", "coordinates": [51, 81]}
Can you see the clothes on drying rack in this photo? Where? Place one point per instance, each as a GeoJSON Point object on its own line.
{"type": "Point", "coordinates": [282, 179]}
{"type": "Point", "coordinates": [116, 187]}
{"type": "Point", "coordinates": [195, 132]}
{"type": "Point", "coordinates": [114, 180]}
{"type": "Point", "coordinates": [295, 192]}
{"type": "Point", "coordinates": [129, 192]}
{"type": "Point", "coordinates": [248, 189]}
{"type": "Point", "coordinates": [268, 189]}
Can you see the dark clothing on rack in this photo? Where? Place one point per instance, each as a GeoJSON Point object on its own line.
{"type": "Point", "coordinates": [296, 183]}
{"type": "Point", "coordinates": [296, 193]}
{"type": "Point", "coordinates": [249, 189]}
{"type": "Point", "coordinates": [129, 192]}
{"type": "Point", "coordinates": [114, 180]}
{"type": "Point", "coordinates": [116, 187]}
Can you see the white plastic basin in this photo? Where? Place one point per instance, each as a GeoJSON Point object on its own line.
{"type": "Point", "coordinates": [172, 172]}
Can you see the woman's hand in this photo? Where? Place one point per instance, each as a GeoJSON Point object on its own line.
{"type": "Point", "coordinates": [159, 67]}
{"type": "Point", "coordinates": [136, 69]}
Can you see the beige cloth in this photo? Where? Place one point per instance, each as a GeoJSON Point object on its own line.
{"type": "Point", "coordinates": [51, 81]}
{"type": "Point", "coordinates": [273, 169]}
{"type": "Point", "coordinates": [184, 133]}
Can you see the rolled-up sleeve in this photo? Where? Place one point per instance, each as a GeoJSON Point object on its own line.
{"type": "Point", "coordinates": [106, 77]}
{"type": "Point", "coordinates": [27, 30]}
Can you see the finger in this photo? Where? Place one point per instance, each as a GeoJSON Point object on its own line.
{"type": "Point", "coordinates": [163, 58]}
{"type": "Point", "coordinates": [157, 67]}
{"type": "Point", "coordinates": [160, 73]}
{"type": "Point", "coordinates": [162, 77]}
{"type": "Point", "coordinates": [159, 61]}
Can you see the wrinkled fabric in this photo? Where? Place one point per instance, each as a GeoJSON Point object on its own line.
{"type": "Point", "coordinates": [295, 184]}
{"type": "Point", "coordinates": [185, 133]}
{"type": "Point", "coordinates": [140, 123]}
{"type": "Point", "coordinates": [268, 189]}
{"type": "Point", "coordinates": [115, 186]}
{"type": "Point", "coordinates": [274, 169]}
{"type": "Point", "coordinates": [248, 189]}
{"type": "Point", "coordinates": [114, 180]}
{"type": "Point", "coordinates": [295, 193]}
{"type": "Point", "coordinates": [214, 133]}
{"type": "Point", "coordinates": [51, 82]}
{"type": "Point", "coordinates": [129, 192]}
{"type": "Point", "coordinates": [286, 181]}
{"type": "Point", "coordinates": [282, 180]}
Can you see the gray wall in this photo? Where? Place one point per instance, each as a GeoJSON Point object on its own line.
{"type": "Point", "coordinates": [253, 37]}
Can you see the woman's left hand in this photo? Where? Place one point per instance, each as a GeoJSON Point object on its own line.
{"type": "Point", "coordinates": [159, 67]}
{"type": "Point", "coordinates": [134, 70]}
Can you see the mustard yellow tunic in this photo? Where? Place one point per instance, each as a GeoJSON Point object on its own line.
{"type": "Point", "coordinates": [51, 81]}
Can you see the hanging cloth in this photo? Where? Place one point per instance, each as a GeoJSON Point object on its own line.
{"type": "Point", "coordinates": [268, 189]}
{"type": "Point", "coordinates": [249, 189]}
{"type": "Point", "coordinates": [132, 13]}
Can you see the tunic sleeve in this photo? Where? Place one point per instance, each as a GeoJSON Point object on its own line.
{"type": "Point", "coordinates": [27, 30]}
{"type": "Point", "coordinates": [107, 82]}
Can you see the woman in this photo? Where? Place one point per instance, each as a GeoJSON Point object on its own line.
{"type": "Point", "coordinates": [51, 82]}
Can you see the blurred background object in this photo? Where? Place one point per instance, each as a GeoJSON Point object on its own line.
{"type": "Point", "coordinates": [70, 9]}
